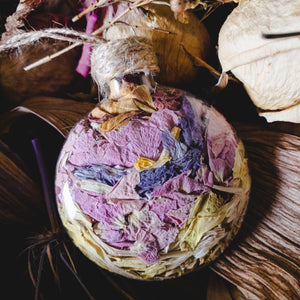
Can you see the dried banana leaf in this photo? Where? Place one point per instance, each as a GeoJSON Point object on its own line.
{"type": "Point", "coordinates": [264, 262]}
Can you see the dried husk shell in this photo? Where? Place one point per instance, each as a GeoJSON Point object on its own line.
{"type": "Point", "coordinates": [176, 67]}
{"type": "Point", "coordinates": [48, 79]}
{"type": "Point", "coordinates": [268, 68]}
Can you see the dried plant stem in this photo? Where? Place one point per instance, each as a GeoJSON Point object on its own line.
{"type": "Point", "coordinates": [63, 34]}
{"type": "Point", "coordinates": [51, 57]}
{"type": "Point", "coordinates": [91, 8]}
{"type": "Point", "coordinates": [46, 240]}
{"type": "Point", "coordinates": [201, 63]}
{"type": "Point", "coordinates": [69, 257]}
{"type": "Point", "coordinates": [55, 274]}
{"type": "Point", "coordinates": [134, 5]}
{"type": "Point", "coordinates": [30, 268]}
{"type": "Point", "coordinates": [39, 275]}
{"type": "Point", "coordinates": [280, 35]}
{"type": "Point", "coordinates": [76, 276]}
{"type": "Point", "coordinates": [47, 187]}
{"type": "Point", "coordinates": [145, 28]}
{"type": "Point", "coordinates": [117, 286]}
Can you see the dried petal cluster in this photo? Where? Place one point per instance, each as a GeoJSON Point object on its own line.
{"type": "Point", "coordinates": [155, 188]}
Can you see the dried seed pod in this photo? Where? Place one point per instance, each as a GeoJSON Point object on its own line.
{"type": "Point", "coordinates": [268, 68]}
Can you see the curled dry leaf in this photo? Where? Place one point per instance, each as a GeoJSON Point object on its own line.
{"type": "Point", "coordinates": [268, 68]}
{"type": "Point", "coordinates": [264, 263]}
{"type": "Point", "coordinates": [60, 113]}
{"type": "Point", "coordinates": [157, 23]}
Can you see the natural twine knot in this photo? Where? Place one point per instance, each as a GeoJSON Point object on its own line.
{"type": "Point", "coordinates": [120, 57]}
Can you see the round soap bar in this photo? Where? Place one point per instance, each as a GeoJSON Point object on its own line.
{"type": "Point", "coordinates": [152, 185]}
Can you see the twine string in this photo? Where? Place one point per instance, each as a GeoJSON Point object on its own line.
{"type": "Point", "coordinates": [120, 57]}
{"type": "Point", "coordinates": [64, 34]}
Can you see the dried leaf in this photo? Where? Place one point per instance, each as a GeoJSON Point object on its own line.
{"type": "Point", "coordinates": [60, 113]}
{"type": "Point", "coordinates": [216, 288]}
{"type": "Point", "coordinates": [264, 262]}
{"type": "Point", "coordinates": [20, 197]}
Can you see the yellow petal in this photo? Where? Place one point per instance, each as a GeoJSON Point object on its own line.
{"type": "Point", "coordinates": [176, 132]}
{"type": "Point", "coordinates": [143, 163]}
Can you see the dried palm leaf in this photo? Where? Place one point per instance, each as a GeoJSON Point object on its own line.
{"type": "Point", "coordinates": [264, 262]}
{"type": "Point", "coordinates": [20, 196]}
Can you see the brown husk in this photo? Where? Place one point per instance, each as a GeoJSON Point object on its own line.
{"type": "Point", "coordinates": [48, 79]}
